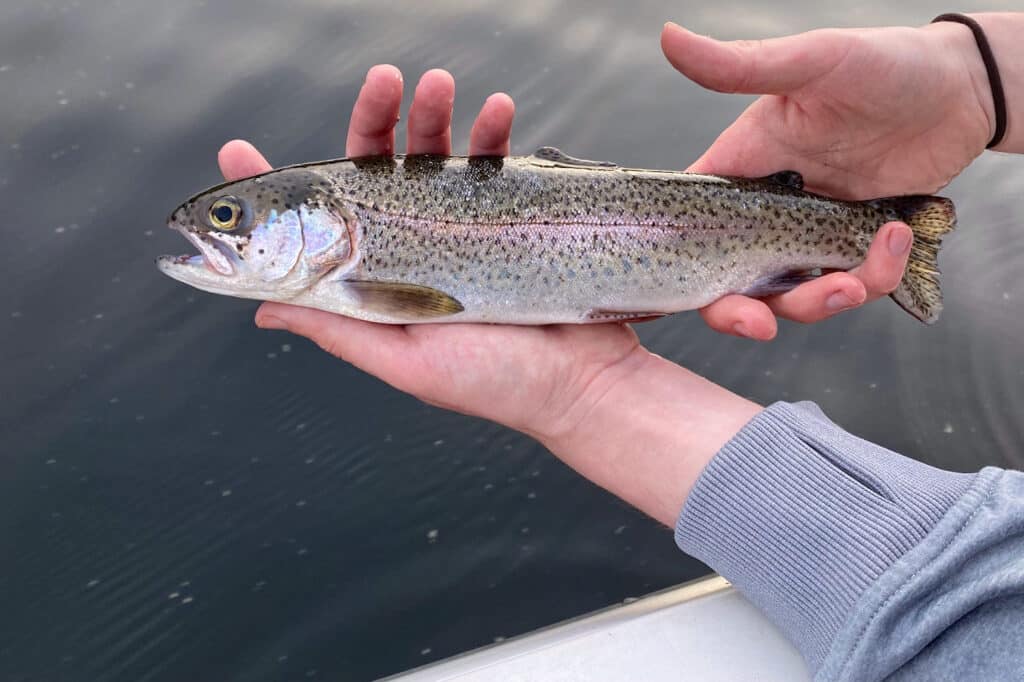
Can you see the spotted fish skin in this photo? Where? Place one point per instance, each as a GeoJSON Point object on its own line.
{"type": "Point", "coordinates": [552, 239]}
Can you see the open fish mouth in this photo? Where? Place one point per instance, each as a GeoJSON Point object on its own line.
{"type": "Point", "coordinates": [212, 255]}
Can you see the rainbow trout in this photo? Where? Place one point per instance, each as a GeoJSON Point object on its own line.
{"type": "Point", "coordinates": [532, 240]}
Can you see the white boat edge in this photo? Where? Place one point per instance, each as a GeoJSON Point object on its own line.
{"type": "Point", "coordinates": [701, 630]}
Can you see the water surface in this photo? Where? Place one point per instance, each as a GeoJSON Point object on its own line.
{"type": "Point", "coordinates": [183, 496]}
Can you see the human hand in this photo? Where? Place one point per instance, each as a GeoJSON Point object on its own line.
{"type": "Point", "coordinates": [861, 114]}
{"type": "Point", "coordinates": [528, 378]}
{"type": "Point", "coordinates": [628, 420]}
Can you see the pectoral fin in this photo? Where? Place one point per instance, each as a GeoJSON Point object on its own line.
{"type": "Point", "coordinates": [403, 300]}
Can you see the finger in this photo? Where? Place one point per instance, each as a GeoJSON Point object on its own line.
{"type": "Point", "coordinates": [372, 127]}
{"type": "Point", "coordinates": [430, 116]}
{"type": "Point", "coordinates": [819, 298]}
{"type": "Point", "coordinates": [878, 275]}
{"type": "Point", "coordinates": [238, 159]}
{"type": "Point", "coordinates": [375, 348]}
{"type": "Point", "coordinates": [492, 129]}
{"type": "Point", "coordinates": [741, 316]}
{"type": "Point", "coordinates": [774, 66]}
{"type": "Point", "coordinates": [887, 258]}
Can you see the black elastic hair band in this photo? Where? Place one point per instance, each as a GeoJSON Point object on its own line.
{"type": "Point", "coordinates": [995, 83]}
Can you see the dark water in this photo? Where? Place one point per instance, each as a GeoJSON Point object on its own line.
{"type": "Point", "coordinates": [184, 497]}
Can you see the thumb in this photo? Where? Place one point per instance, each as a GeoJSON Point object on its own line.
{"type": "Point", "coordinates": [774, 66]}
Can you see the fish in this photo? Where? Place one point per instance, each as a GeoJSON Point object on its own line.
{"type": "Point", "coordinates": [532, 240]}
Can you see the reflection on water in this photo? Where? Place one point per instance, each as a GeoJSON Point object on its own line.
{"type": "Point", "coordinates": [186, 497]}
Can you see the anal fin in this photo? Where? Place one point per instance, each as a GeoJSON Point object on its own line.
{"type": "Point", "coordinates": [403, 300]}
{"type": "Point", "coordinates": [604, 315]}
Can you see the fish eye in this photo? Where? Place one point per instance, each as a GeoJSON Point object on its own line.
{"type": "Point", "coordinates": [225, 213]}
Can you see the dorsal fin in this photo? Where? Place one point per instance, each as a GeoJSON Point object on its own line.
{"type": "Point", "coordinates": [786, 178]}
{"type": "Point", "coordinates": [560, 158]}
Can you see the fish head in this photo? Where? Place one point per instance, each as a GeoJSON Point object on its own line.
{"type": "Point", "coordinates": [270, 236]}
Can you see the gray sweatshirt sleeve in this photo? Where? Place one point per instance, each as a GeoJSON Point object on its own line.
{"type": "Point", "coordinates": [875, 566]}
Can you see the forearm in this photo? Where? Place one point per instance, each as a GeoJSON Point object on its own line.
{"type": "Point", "coordinates": [645, 430]}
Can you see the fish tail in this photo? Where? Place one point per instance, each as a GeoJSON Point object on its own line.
{"type": "Point", "coordinates": [930, 218]}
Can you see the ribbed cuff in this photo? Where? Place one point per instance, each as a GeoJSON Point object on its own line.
{"type": "Point", "coordinates": [801, 517]}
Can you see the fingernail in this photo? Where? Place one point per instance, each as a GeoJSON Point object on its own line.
{"type": "Point", "coordinates": [899, 240]}
{"type": "Point", "coordinates": [839, 301]}
{"type": "Point", "coordinates": [270, 322]}
{"type": "Point", "coordinates": [741, 329]}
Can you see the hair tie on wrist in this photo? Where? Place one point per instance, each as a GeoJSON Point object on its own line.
{"type": "Point", "coordinates": [995, 83]}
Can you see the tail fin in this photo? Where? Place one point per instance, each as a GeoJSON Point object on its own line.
{"type": "Point", "coordinates": [930, 218]}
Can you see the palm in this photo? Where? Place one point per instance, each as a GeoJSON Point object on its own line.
{"type": "Point", "coordinates": [524, 377]}
{"type": "Point", "coordinates": [861, 114]}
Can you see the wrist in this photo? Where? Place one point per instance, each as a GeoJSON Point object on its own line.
{"type": "Point", "coordinates": [1002, 30]}
{"type": "Point", "coordinates": [966, 67]}
{"type": "Point", "coordinates": [646, 429]}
